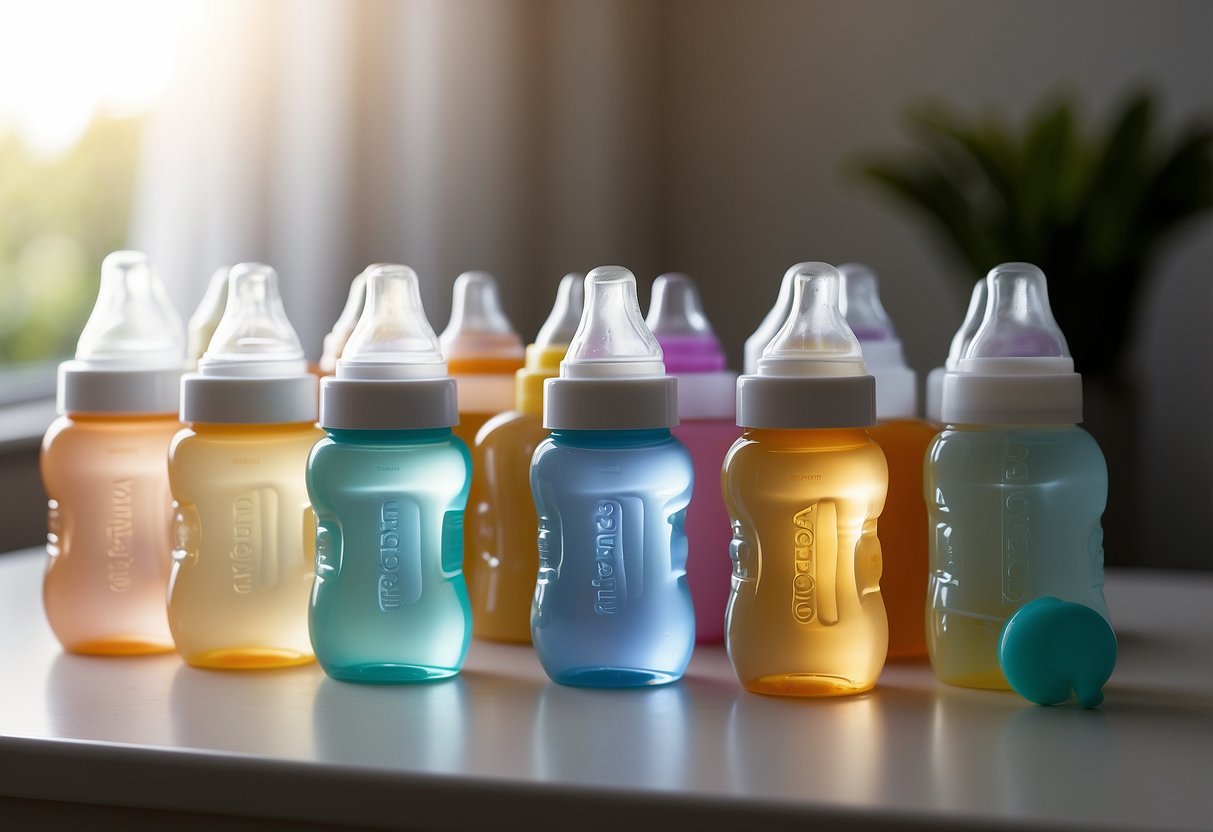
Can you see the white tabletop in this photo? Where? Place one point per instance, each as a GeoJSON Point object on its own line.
{"type": "Point", "coordinates": [500, 746]}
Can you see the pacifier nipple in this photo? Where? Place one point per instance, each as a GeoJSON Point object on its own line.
{"type": "Point", "coordinates": [561, 325]}
{"type": "Point", "coordinates": [972, 322]}
{"type": "Point", "coordinates": [861, 304]}
{"type": "Point", "coordinates": [815, 340]}
{"type": "Point", "coordinates": [612, 339]}
{"type": "Point", "coordinates": [393, 338]}
{"type": "Point", "coordinates": [478, 326]}
{"type": "Point", "coordinates": [254, 337]}
{"type": "Point", "coordinates": [343, 327]}
{"type": "Point", "coordinates": [1018, 322]}
{"type": "Point", "coordinates": [677, 320]}
{"type": "Point", "coordinates": [132, 322]}
{"type": "Point", "coordinates": [202, 323]}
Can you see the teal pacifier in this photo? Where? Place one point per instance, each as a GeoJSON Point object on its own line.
{"type": "Point", "coordinates": [1052, 649]}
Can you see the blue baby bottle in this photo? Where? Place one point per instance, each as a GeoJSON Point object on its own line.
{"type": "Point", "coordinates": [611, 485]}
{"type": "Point", "coordinates": [1014, 488]}
{"type": "Point", "coordinates": [389, 484]}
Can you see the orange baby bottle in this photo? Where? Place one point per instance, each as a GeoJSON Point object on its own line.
{"type": "Point", "coordinates": [103, 466]}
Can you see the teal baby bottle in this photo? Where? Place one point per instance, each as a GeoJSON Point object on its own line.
{"type": "Point", "coordinates": [389, 484]}
{"type": "Point", "coordinates": [1014, 488]}
{"type": "Point", "coordinates": [611, 486]}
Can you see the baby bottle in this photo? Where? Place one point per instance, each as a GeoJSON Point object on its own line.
{"type": "Point", "coordinates": [1014, 488]}
{"type": "Point", "coordinates": [244, 531]}
{"type": "Point", "coordinates": [206, 317]}
{"type": "Point", "coordinates": [335, 341]}
{"type": "Point", "coordinates": [960, 343]}
{"type": "Point", "coordinates": [805, 485]}
{"type": "Point", "coordinates": [389, 484]}
{"type": "Point", "coordinates": [502, 560]}
{"type": "Point", "coordinates": [904, 438]}
{"type": "Point", "coordinates": [482, 352]}
{"type": "Point", "coordinates": [103, 469]}
{"type": "Point", "coordinates": [611, 488]}
{"type": "Point", "coordinates": [707, 425]}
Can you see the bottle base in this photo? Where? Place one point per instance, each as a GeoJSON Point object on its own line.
{"type": "Point", "coordinates": [120, 645]}
{"type": "Point", "coordinates": [387, 673]}
{"type": "Point", "coordinates": [984, 680]}
{"type": "Point", "coordinates": [806, 684]}
{"type": "Point", "coordinates": [249, 658]}
{"type": "Point", "coordinates": [613, 677]}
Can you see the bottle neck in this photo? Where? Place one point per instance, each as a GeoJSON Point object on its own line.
{"type": "Point", "coordinates": [388, 437]}
{"type": "Point", "coordinates": [610, 438]}
{"type": "Point", "coordinates": [800, 437]}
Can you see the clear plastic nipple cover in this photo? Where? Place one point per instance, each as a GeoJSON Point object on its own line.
{"type": "Point", "coordinates": [478, 325]}
{"type": "Point", "coordinates": [206, 316]}
{"type": "Point", "coordinates": [972, 322]}
{"type": "Point", "coordinates": [861, 304]}
{"type": "Point", "coordinates": [1018, 322]}
{"type": "Point", "coordinates": [676, 308]}
{"type": "Point", "coordinates": [562, 322]}
{"type": "Point", "coordinates": [343, 327]}
{"type": "Point", "coordinates": [815, 340]}
{"type": "Point", "coordinates": [132, 323]}
{"type": "Point", "coordinates": [612, 339]}
{"type": "Point", "coordinates": [393, 338]}
{"type": "Point", "coordinates": [254, 336]}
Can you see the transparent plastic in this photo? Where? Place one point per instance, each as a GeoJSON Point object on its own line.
{"type": "Point", "coordinates": [612, 607]}
{"type": "Point", "coordinates": [202, 323]}
{"type": "Point", "coordinates": [612, 340]}
{"type": "Point", "coordinates": [678, 322]}
{"type": "Point", "coordinates": [482, 351]}
{"type": "Point", "coordinates": [389, 603]}
{"type": "Point", "coordinates": [108, 532]}
{"type": "Point", "coordinates": [960, 343]}
{"type": "Point", "coordinates": [133, 324]}
{"type": "Point", "coordinates": [1018, 321]}
{"type": "Point", "coordinates": [815, 340]}
{"type": "Point", "coordinates": [773, 321]}
{"type": "Point", "coordinates": [254, 337]}
{"type": "Point", "coordinates": [501, 560]}
{"type": "Point", "coordinates": [861, 305]}
{"type": "Point", "coordinates": [343, 327]}
{"type": "Point", "coordinates": [805, 617]}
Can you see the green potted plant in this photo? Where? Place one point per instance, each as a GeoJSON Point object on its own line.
{"type": "Point", "coordinates": [1091, 207]}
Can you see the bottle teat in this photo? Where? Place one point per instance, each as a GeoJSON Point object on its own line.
{"type": "Point", "coordinates": [393, 338]}
{"type": "Point", "coordinates": [560, 327]}
{"type": "Point", "coordinates": [677, 320]}
{"type": "Point", "coordinates": [133, 325]}
{"type": "Point", "coordinates": [972, 322]}
{"type": "Point", "coordinates": [861, 304]}
{"type": "Point", "coordinates": [1018, 322]}
{"type": "Point", "coordinates": [815, 340]}
{"type": "Point", "coordinates": [612, 340]}
{"type": "Point", "coordinates": [206, 316]}
{"type": "Point", "coordinates": [336, 340]}
{"type": "Point", "coordinates": [254, 337]}
{"type": "Point", "coordinates": [478, 327]}
{"type": "Point", "coordinates": [773, 321]}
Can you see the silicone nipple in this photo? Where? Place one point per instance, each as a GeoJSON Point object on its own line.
{"type": "Point", "coordinates": [335, 341]}
{"type": "Point", "coordinates": [972, 322]}
{"type": "Point", "coordinates": [132, 323]}
{"type": "Point", "coordinates": [773, 321]}
{"type": "Point", "coordinates": [254, 337]}
{"type": "Point", "coordinates": [393, 338]}
{"type": "Point", "coordinates": [1018, 321]}
{"type": "Point", "coordinates": [206, 316]}
{"type": "Point", "coordinates": [478, 326]}
{"type": "Point", "coordinates": [560, 327]}
{"type": "Point", "coordinates": [861, 304]}
{"type": "Point", "coordinates": [815, 340]}
{"type": "Point", "coordinates": [677, 321]}
{"type": "Point", "coordinates": [612, 339]}
{"type": "Point", "coordinates": [1051, 649]}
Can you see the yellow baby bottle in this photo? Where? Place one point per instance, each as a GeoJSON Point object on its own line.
{"type": "Point", "coordinates": [482, 353]}
{"type": "Point", "coordinates": [804, 486]}
{"type": "Point", "coordinates": [244, 534]}
{"type": "Point", "coordinates": [502, 560]}
{"type": "Point", "coordinates": [103, 469]}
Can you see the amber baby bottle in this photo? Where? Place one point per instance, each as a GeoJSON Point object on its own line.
{"type": "Point", "coordinates": [502, 558]}
{"type": "Point", "coordinates": [103, 469]}
{"type": "Point", "coordinates": [244, 531]}
{"type": "Point", "coordinates": [804, 486]}
{"type": "Point", "coordinates": [904, 438]}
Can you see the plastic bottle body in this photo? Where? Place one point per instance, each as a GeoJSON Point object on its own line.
{"type": "Point", "coordinates": [502, 559]}
{"type": "Point", "coordinates": [709, 530]}
{"type": "Point", "coordinates": [389, 602]}
{"type": "Point", "coordinates": [903, 533]}
{"type": "Point", "coordinates": [805, 615]}
{"type": "Point", "coordinates": [244, 544]}
{"type": "Point", "coordinates": [109, 532]}
{"type": "Point", "coordinates": [612, 607]}
{"type": "Point", "coordinates": [1014, 515]}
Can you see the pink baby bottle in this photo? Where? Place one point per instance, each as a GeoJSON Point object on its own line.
{"type": "Point", "coordinates": [706, 410]}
